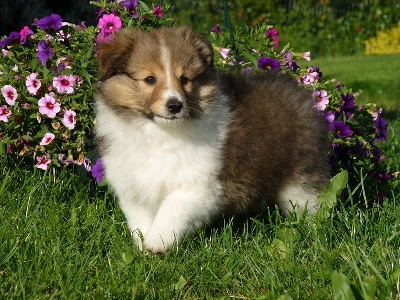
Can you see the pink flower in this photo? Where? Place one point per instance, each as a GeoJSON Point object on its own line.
{"type": "Point", "coordinates": [273, 33]}
{"type": "Point", "coordinates": [310, 78]}
{"type": "Point", "coordinates": [110, 23]}
{"type": "Point", "coordinates": [32, 84]}
{"type": "Point", "coordinates": [48, 137]}
{"type": "Point", "coordinates": [6, 53]}
{"type": "Point", "coordinates": [43, 162]}
{"type": "Point", "coordinates": [69, 119]}
{"type": "Point", "coordinates": [4, 113]}
{"type": "Point", "coordinates": [64, 84]}
{"type": "Point", "coordinates": [10, 94]}
{"type": "Point", "coordinates": [48, 105]}
{"type": "Point", "coordinates": [224, 52]}
{"type": "Point", "coordinates": [157, 11]}
{"type": "Point", "coordinates": [307, 56]}
{"type": "Point", "coordinates": [321, 99]}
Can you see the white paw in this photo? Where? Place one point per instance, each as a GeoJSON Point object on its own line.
{"type": "Point", "coordinates": [157, 242]}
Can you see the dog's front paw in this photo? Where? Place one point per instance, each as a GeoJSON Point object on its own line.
{"type": "Point", "coordinates": [157, 242]}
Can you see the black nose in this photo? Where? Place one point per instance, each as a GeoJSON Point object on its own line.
{"type": "Point", "coordinates": [174, 105]}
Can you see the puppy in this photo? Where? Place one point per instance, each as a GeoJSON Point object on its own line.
{"type": "Point", "coordinates": [184, 145]}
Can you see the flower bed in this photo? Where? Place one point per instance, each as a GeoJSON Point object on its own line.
{"type": "Point", "coordinates": [48, 72]}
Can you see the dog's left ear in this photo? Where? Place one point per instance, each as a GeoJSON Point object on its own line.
{"type": "Point", "coordinates": [201, 43]}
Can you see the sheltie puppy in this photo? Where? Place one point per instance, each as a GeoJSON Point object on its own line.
{"type": "Point", "coordinates": [184, 145]}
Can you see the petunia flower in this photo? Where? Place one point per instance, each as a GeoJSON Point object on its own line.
{"type": "Point", "coordinates": [53, 21]}
{"type": "Point", "coordinates": [32, 83]}
{"type": "Point", "coordinates": [43, 162]}
{"type": "Point", "coordinates": [110, 23]}
{"type": "Point", "coordinates": [340, 129]}
{"type": "Point", "coordinates": [216, 29]}
{"type": "Point", "coordinates": [64, 84]}
{"type": "Point", "coordinates": [11, 39]}
{"type": "Point", "coordinates": [10, 94]}
{"type": "Point", "coordinates": [224, 52]}
{"type": "Point", "coordinates": [321, 99]}
{"type": "Point", "coordinates": [380, 129]}
{"type": "Point", "coordinates": [273, 33]}
{"type": "Point", "coordinates": [306, 56]}
{"type": "Point", "coordinates": [48, 105]}
{"type": "Point", "coordinates": [44, 52]}
{"type": "Point", "coordinates": [131, 6]}
{"type": "Point", "coordinates": [48, 137]}
{"type": "Point", "coordinates": [24, 34]}
{"type": "Point", "coordinates": [329, 116]}
{"type": "Point", "coordinates": [69, 119]}
{"type": "Point", "coordinates": [269, 64]}
{"type": "Point", "coordinates": [347, 104]}
{"type": "Point", "coordinates": [98, 170]}
{"type": "Point", "coordinates": [4, 113]}
{"type": "Point", "coordinates": [157, 11]}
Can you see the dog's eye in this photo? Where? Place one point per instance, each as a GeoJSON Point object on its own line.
{"type": "Point", "coordinates": [184, 80]}
{"type": "Point", "coordinates": [150, 80]}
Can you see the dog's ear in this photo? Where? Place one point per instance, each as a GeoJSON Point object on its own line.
{"type": "Point", "coordinates": [113, 54]}
{"type": "Point", "coordinates": [200, 42]}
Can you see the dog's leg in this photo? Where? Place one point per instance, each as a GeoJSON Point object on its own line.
{"type": "Point", "coordinates": [180, 214]}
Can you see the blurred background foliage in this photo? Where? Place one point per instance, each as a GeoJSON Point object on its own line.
{"type": "Point", "coordinates": [324, 27]}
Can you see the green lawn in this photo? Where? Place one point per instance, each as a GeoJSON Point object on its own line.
{"type": "Point", "coordinates": [60, 239]}
{"type": "Point", "coordinates": [377, 77]}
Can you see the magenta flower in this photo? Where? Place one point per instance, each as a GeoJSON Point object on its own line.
{"type": "Point", "coordinates": [48, 105]}
{"type": "Point", "coordinates": [4, 113]}
{"type": "Point", "coordinates": [53, 21]}
{"type": "Point", "coordinates": [131, 6]}
{"type": "Point", "coordinates": [110, 23]}
{"type": "Point", "coordinates": [13, 37]}
{"type": "Point", "coordinates": [44, 52]}
{"type": "Point", "coordinates": [216, 29]}
{"type": "Point", "coordinates": [273, 33]}
{"type": "Point", "coordinates": [48, 137]}
{"type": "Point", "coordinates": [321, 99]}
{"type": "Point", "coordinates": [157, 11]}
{"type": "Point", "coordinates": [69, 119]}
{"type": "Point", "coordinates": [10, 94]}
{"type": "Point", "coordinates": [24, 34]}
{"type": "Point", "coordinates": [32, 83]}
{"type": "Point", "coordinates": [43, 162]}
{"type": "Point", "coordinates": [98, 171]}
{"type": "Point", "coordinates": [64, 84]}
{"type": "Point", "coordinates": [269, 64]}
{"type": "Point", "coordinates": [340, 129]}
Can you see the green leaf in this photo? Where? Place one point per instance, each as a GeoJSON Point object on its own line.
{"type": "Point", "coordinates": [127, 258]}
{"type": "Point", "coordinates": [180, 284]}
{"type": "Point", "coordinates": [328, 198]}
{"type": "Point", "coordinates": [285, 296]}
{"type": "Point", "coordinates": [341, 287]}
{"type": "Point", "coordinates": [144, 5]}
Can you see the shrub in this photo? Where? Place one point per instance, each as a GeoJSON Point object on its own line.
{"type": "Point", "coordinates": [46, 114]}
{"type": "Point", "coordinates": [385, 42]}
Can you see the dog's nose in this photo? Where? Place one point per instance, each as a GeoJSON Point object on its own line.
{"type": "Point", "coordinates": [174, 105]}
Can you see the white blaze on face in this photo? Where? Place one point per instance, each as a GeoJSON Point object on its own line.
{"type": "Point", "coordinates": [170, 92]}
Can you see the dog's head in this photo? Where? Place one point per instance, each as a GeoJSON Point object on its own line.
{"type": "Point", "coordinates": [165, 74]}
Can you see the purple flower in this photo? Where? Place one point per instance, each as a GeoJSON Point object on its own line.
{"type": "Point", "coordinates": [315, 69]}
{"type": "Point", "coordinates": [50, 22]}
{"type": "Point", "coordinates": [269, 64]}
{"type": "Point", "coordinates": [97, 170]}
{"type": "Point", "coordinates": [44, 52]}
{"type": "Point", "coordinates": [340, 129]}
{"type": "Point", "coordinates": [339, 85]}
{"type": "Point", "coordinates": [131, 6]}
{"type": "Point", "coordinates": [330, 116]}
{"type": "Point", "coordinates": [382, 176]}
{"type": "Point", "coordinates": [14, 36]}
{"type": "Point", "coordinates": [321, 99]}
{"type": "Point", "coordinates": [24, 34]}
{"type": "Point", "coordinates": [347, 104]}
{"type": "Point", "coordinates": [380, 129]}
{"type": "Point", "coordinates": [215, 29]}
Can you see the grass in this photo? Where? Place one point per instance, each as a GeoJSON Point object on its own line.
{"type": "Point", "coordinates": [60, 239]}
{"type": "Point", "coordinates": [376, 77]}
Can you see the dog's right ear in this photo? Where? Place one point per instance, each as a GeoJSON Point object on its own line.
{"type": "Point", "coordinates": [113, 54]}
